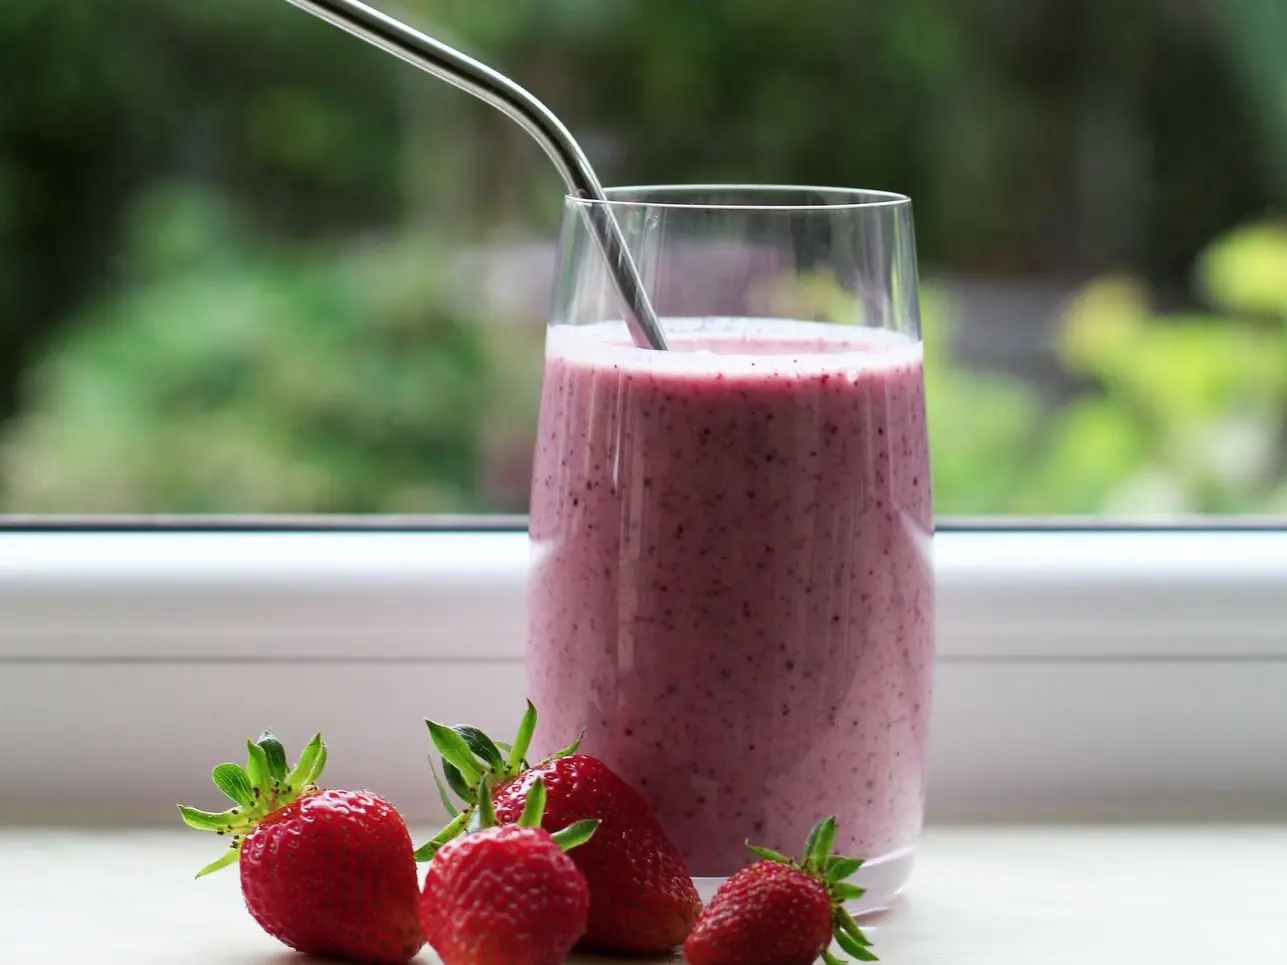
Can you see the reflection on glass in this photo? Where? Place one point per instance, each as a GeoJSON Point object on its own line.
{"type": "Point", "coordinates": [731, 594]}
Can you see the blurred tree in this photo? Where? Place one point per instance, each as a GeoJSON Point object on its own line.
{"type": "Point", "coordinates": [100, 99]}
{"type": "Point", "coordinates": [983, 426]}
{"type": "Point", "coordinates": [1254, 33]}
{"type": "Point", "coordinates": [1049, 137]}
{"type": "Point", "coordinates": [1188, 411]}
{"type": "Point", "coordinates": [1180, 413]}
{"type": "Point", "coordinates": [233, 375]}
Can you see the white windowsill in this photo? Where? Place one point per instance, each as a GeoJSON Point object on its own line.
{"type": "Point", "coordinates": [1082, 675]}
{"type": "Point", "coordinates": [980, 896]}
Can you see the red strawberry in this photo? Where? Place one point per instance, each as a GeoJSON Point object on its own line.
{"type": "Point", "coordinates": [642, 899]}
{"type": "Point", "coordinates": [506, 895]}
{"type": "Point", "coordinates": [329, 873]}
{"type": "Point", "coordinates": [782, 912]}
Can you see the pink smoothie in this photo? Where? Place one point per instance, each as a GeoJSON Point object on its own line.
{"type": "Point", "coordinates": [732, 586]}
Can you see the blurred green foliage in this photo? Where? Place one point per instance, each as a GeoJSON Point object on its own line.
{"type": "Point", "coordinates": [350, 379]}
{"type": "Point", "coordinates": [1190, 408]}
{"type": "Point", "coordinates": [227, 234]}
{"type": "Point", "coordinates": [228, 373]}
{"type": "Point", "coordinates": [982, 425]}
{"type": "Point", "coordinates": [1180, 413]}
{"type": "Point", "coordinates": [1036, 136]}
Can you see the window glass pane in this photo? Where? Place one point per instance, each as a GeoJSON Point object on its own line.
{"type": "Point", "coordinates": [250, 265]}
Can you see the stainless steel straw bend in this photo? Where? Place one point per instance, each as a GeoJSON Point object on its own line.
{"type": "Point", "coordinates": [502, 93]}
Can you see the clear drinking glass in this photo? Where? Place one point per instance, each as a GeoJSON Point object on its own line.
{"type": "Point", "coordinates": [732, 589]}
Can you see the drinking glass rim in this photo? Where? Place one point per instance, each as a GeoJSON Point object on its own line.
{"type": "Point", "coordinates": [742, 197]}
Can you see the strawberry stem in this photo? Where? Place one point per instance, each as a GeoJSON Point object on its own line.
{"type": "Point", "coordinates": [233, 780]}
{"type": "Point", "coordinates": [817, 861]}
{"type": "Point", "coordinates": [481, 746]}
{"type": "Point", "coordinates": [427, 850]}
{"type": "Point", "coordinates": [275, 754]}
{"type": "Point", "coordinates": [858, 949]}
{"type": "Point", "coordinates": [569, 750]}
{"type": "Point", "coordinates": [312, 759]}
{"type": "Point", "coordinates": [456, 781]}
{"type": "Point", "coordinates": [257, 766]}
{"type": "Point", "coordinates": [576, 834]}
{"type": "Point", "coordinates": [257, 790]}
{"type": "Point", "coordinates": [454, 751]}
{"type": "Point", "coordinates": [484, 814]}
{"type": "Point", "coordinates": [534, 806]}
{"type": "Point", "coordinates": [522, 740]}
{"type": "Point", "coordinates": [846, 923]}
{"type": "Point", "coordinates": [448, 805]}
{"type": "Point", "coordinates": [768, 854]}
{"type": "Point", "coordinates": [818, 845]}
{"type": "Point", "coordinates": [845, 891]}
{"type": "Point", "coordinates": [469, 756]}
{"type": "Point", "coordinates": [840, 868]}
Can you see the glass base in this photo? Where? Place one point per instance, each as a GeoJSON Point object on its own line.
{"type": "Point", "coordinates": [883, 877]}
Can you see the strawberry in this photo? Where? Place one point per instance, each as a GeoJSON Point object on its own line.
{"type": "Point", "coordinates": [642, 899]}
{"type": "Point", "coordinates": [327, 872]}
{"type": "Point", "coordinates": [783, 912]}
{"type": "Point", "coordinates": [508, 894]}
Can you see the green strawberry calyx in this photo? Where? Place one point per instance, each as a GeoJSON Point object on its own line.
{"type": "Point", "coordinates": [265, 784]}
{"type": "Point", "coordinates": [817, 861]}
{"type": "Point", "coordinates": [469, 759]}
{"type": "Point", "coordinates": [483, 815]}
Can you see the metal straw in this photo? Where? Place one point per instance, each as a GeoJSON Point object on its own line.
{"type": "Point", "coordinates": [464, 72]}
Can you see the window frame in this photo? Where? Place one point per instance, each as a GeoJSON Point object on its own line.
{"type": "Point", "coordinates": [1083, 672]}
